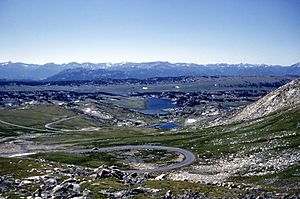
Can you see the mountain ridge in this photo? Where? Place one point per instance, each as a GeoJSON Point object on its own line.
{"type": "Point", "coordinates": [143, 70]}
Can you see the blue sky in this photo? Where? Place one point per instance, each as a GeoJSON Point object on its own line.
{"type": "Point", "coordinates": [199, 31]}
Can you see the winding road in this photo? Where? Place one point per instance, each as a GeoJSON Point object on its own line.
{"type": "Point", "coordinates": [52, 129]}
{"type": "Point", "coordinates": [189, 157]}
{"type": "Point", "coordinates": [26, 127]}
{"type": "Point", "coordinates": [48, 126]}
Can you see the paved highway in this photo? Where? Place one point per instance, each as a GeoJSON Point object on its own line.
{"type": "Point", "coordinates": [189, 156]}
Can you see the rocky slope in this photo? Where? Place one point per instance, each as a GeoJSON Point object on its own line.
{"type": "Point", "coordinates": [70, 181]}
{"type": "Point", "coordinates": [284, 97]}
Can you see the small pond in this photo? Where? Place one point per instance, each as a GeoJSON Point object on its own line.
{"type": "Point", "coordinates": [165, 125]}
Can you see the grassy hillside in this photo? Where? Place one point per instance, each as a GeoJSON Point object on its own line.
{"type": "Point", "coordinates": [262, 152]}
{"type": "Point", "coordinates": [34, 116]}
{"type": "Point", "coordinates": [267, 148]}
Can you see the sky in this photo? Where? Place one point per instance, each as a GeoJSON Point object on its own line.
{"type": "Point", "coordinates": [192, 31]}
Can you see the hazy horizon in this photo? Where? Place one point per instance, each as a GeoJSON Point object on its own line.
{"type": "Point", "coordinates": [61, 63]}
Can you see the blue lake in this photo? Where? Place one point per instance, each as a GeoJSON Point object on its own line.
{"type": "Point", "coordinates": [156, 106]}
{"type": "Point", "coordinates": [165, 125]}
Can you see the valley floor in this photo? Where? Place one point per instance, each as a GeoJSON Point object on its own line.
{"type": "Point", "coordinates": [58, 143]}
{"type": "Point", "coordinates": [255, 158]}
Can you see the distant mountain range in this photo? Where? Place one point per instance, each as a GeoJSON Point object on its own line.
{"type": "Point", "coordinates": [90, 71]}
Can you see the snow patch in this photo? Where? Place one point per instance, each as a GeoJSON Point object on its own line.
{"type": "Point", "coordinates": [190, 121]}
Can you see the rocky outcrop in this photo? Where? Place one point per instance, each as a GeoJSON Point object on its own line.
{"type": "Point", "coordinates": [282, 98]}
{"type": "Point", "coordinates": [129, 193]}
{"type": "Point", "coordinates": [67, 182]}
{"type": "Point", "coordinates": [71, 182]}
